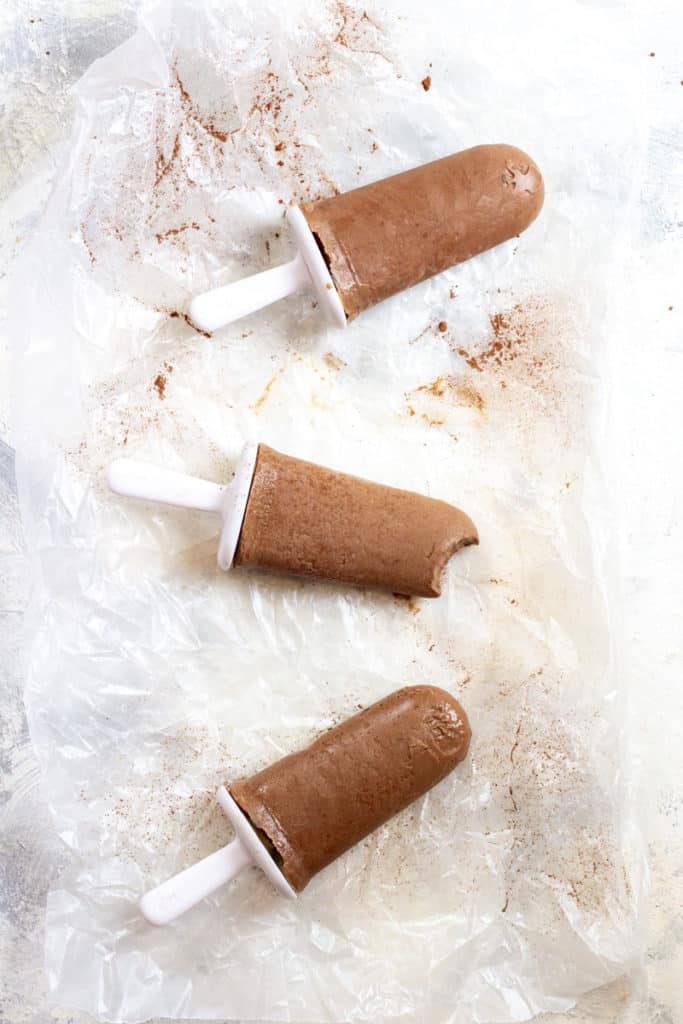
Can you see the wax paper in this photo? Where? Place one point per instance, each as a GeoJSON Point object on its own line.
{"type": "Point", "coordinates": [514, 886]}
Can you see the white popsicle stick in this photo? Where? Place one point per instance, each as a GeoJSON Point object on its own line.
{"type": "Point", "coordinates": [224, 305]}
{"type": "Point", "coordinates": [144, 480]}
{"type": "Point", "coordinates": [220, 306]}
{"type": "Point", "coordinates": [172, 898]}
{"type": "Point", "coordinates": [134, 479]}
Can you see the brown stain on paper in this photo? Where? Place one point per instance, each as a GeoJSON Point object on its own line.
{"type": "Point", "coordinates": [265, 394]}
{"type": "Point", "coordinates": [409, 602]}
{"type": "Point", "coordinates": [458, 389]}
{"type": "Point", "coordinates": [333, 362]}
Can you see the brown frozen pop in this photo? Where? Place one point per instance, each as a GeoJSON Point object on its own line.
{"type": "Point", "coordinates": [314, 805]}
{"type": "Point", "coordinates": [297, 816]}
{"type": "Point", "coordinates": [392, 234]}
{"type": "Point", "coordinates": [307, 520]}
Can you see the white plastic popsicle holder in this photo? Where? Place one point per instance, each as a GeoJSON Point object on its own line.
{"type": "Point", "coordinates": [221, 306]}
{"type": "Point", "coordinates": [134, 479]}
{"type": "Point", "coordinates": [172, 898]}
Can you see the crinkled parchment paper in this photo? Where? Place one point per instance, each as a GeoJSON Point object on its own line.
{"type": "Point", "coordinates": [512, 888]}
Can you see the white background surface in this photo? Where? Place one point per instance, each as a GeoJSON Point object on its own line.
{"type": "Point", "coordinates": [45, 47]}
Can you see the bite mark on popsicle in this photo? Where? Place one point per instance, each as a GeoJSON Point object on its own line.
{"type": "Point", "coordinates": [309, 520]}
{"type": "Point", "coordinates": [463, 533]}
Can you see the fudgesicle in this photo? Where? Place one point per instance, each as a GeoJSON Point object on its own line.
{"type": "Point", "coordinates": [308, 520]}
{"type": "Point", "coordinates": [382, 238]}
{"type": "Point", "coordinates": [295, 817]}
{"type": "Point", "coordinates": [360, 247]}
{"type": "Point", "coordinates": [291, 516]}
{"type": "Point", "coordinates": [314, 805]}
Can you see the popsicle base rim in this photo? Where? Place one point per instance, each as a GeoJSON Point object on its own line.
{"type": "Point", "coordinates": [249, 838]}
{"type": "Point", "coordinates": [325, 288]}
{"type": "Point", "coordinates": [235, 506]}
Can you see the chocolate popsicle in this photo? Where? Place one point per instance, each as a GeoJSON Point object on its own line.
{"type": "Point", "coordinates": [314, 805]}
{"type": "Point", "coordinates": [308, 520]}
{"type": "Point", "coordinates": [292, 516]}
{"type": "Point", "coordinates": [297, 816]}
{"type": "Point", "coordinates": [379, 239]}
{"type": "Point", "coordinates": [360, 247]}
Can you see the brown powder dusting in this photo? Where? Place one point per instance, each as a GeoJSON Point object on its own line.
{"type": "Point", "coordinates": [179, 127]}
{"type": "Point", "coordinates": [498, 323]}
{"type": "Point", "coordinates": [443, 326]}
{"type": "Point", "coordinates": [356, 30]}
{"type": "Point", "coordinates": [426, 83]}
{"type": "Point", "coordinates": [162, 236]}
{"type": "Point", "coordinates": [164, 164]}
{"type": "Point", "coordinates": [160, 385]}
{"type": "Point", "coordinates": [513, 331]}
{"type": "Point", "coordinates": [274, 121]}
{"type": "Point", "coordinates": [182, 813]}
{"type": "Point", "coordinates": [186, 130]}
{"type": "Point", "coordinates": [184, 94]}
{"type": "Point", "coordinates": [470, 360]}
{"type": "Point", "coordinates": [193, 113]}
{"type": "Point", "coordinates": [539, 767]}
{"type": "Point", "coordinates": [218, 135]}
{"type": "Point", "coordinates": [86, 243]}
